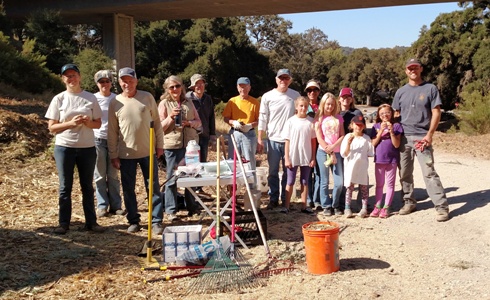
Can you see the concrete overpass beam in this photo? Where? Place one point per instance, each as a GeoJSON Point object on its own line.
{"type": "Point", "coordinates": [118, 39]}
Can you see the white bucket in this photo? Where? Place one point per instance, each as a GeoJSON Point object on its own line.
{"type": "Point", "coordinates": [256, 194]}
{"type": "Point", "coordinates": [261, 174]}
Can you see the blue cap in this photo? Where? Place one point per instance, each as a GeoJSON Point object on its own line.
{"type": "Point", "coordinates": [243, 80]}
{"type": "Point", "coordinates": [127, 72]}
{"type": "Point", "coordinates": [69, 67]}
{"type": "Point", "coordinates": [283, 72]}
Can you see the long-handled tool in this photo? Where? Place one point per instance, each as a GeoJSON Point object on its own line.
{"type": "Point", "coordinates": [148, 243]}
{"type": "Point", "coordinates": [221, 274]}
{"type": "Point", "coordinates": [272, 263]}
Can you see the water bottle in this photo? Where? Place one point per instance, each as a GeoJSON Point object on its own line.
{"type": "Point", "coordinates": [178, 120]}
{"type": "Point", "coordinates": [192, 153]}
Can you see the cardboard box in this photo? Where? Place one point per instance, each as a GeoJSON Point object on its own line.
{"type": "Point", "coordinates": [178, 239]}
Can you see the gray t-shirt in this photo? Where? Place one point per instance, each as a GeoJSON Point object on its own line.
{"type": "Point", "coordinates": [415, 104]}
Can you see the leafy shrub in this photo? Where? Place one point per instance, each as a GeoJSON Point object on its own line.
{"type": "Point", "coordinates": [474, 113]}
{"type": "Point", "coordinates": [89, 61]}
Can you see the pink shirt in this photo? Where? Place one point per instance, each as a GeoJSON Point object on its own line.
{"type": "Point", "coordinates": [330, 126]}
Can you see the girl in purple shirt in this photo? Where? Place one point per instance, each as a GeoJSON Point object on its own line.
{"type": "Point", "coordinates": [385, 137]}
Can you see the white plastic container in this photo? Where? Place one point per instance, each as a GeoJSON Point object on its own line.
{"type": "Point", "coordinates": [262, 184]}
{"type": "Point", "coordinates": [192, 153]}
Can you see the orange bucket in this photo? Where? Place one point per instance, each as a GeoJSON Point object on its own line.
{"type": "Point", "coordinates": [322, 247]}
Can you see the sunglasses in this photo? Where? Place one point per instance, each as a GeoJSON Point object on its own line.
{"type": "Point", "coordinates": [104, 81]}
{"type": "Point", "coordinates": [312, 90]}
{"type": "Point", "coordinates": [174, 87]}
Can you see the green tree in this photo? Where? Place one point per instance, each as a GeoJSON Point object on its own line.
{"type": "Point", "coordinates": [53, 38]}
{"type": "Point", "coordinates": [89, 62]}
{"type": "Point", "coordinates": [267, 31]}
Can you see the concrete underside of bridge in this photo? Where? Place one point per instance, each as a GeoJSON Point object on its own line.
{"type": "Point", "coordinates": [117, 17]}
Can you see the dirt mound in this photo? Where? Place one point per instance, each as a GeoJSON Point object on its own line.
{"type": "Point", "coordinates": [23, 129]}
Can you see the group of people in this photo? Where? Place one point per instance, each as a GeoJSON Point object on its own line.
{"type": "Point", "coordinates": [102, 134]}
{"type": "Point", "coordinates": [329, 137]}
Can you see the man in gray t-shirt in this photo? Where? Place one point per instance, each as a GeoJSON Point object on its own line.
{"type": "Point", "coordinates": [419, 105]}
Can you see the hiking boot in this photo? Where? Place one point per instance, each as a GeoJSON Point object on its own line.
{"type": "Point", "coordinates": [384, 213]}
{"type": "Point", "coordinates": [338, 212]}
{"type": "Point", "coordinates": [284, 210]}
{"type": "Point", "coordinates": [376, 212]}
{"type": "Point", "coordinates": [308, 211]}
{"type": "Point", "coordinates": [62, 229]}
{"type": "Point", "coordinates": [327, 212]}
{"type": "Point", "coordinates": [118, 212]}
{"type": "Point", "coordinates": [311, 205]}
{"type": "Point", "coordinates": [363, 213]}
{"type": "Point", "coordinates": [157, 228]}
{"type": "Point", "coordinates": [95, 228]}
{"type": "Point", "coordinates": [272, 205]}
{"type": "Point", "coordinates": [192, 212]}
{"type": "Point", "coordinates": [101, 212]}
{"type": "Point", "coordinates": [408, 208]}
{"type": "Point", "coordinates": [134, 228]}
{"type": "Point", "coordinates": [172, 217]}
{"type": "Point", "coordinates": [348, 213]}
{"type": "Point", "coordinates": [442, 215]}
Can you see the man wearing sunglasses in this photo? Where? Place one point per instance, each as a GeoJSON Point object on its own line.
{"type": "Point", "coordinates": [107, 186]}
{"type": "Point", "coordinates": [276, 106]}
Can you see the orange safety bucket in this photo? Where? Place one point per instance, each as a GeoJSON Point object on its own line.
{"type": "Point", "coordinates": [322, 247]}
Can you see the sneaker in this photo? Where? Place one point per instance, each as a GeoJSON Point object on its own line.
{"type": "Point", "coordinates": [284, 210]}
{"type": "Point", "coordinates": [62, 229]}
{"type": "Point", "coordinates": [172, 217]}
{"type": "Point", "coordinates": [272, 205]}
{"type": "Point", "coordinates": [408, 208]}
{"type": "Point", "coordinates": [157, 228]}
{"type": "Point", "coordinates": [348, 213]}
{"type": "Point", "coordinates": [311, 204]}
{"type": "Point", "coordinates": [134, 228]}
{"type": "Point", "coordinates": [376, 212]}
{"type": "Point", "coordinates": [363, 213]}
{"type": "Point", "coordinates": [384, 213]}
{"type": "Point", "coordinates": [94, 228]}
{"type": "Point", "coordinates": [318, 207]}
{"type": "Point", "coordinates": [338, 212]}
{"type": "Point", "coordinates": [327, 212]}
{"type": "Point", "coordinates": [118, 212]}
{"type": "Point", "coordinates": [442, 215]}
{"type": "Point", "coordinates": [101, 212]}
{"type": "Point", "coordinates": [308, 211]}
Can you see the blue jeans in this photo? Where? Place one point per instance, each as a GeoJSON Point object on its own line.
{"type": "Point", "coordinates": [204, 144]}
{"type": "Point", "coordinates": [84, 159]}
{"type": "Point", "coordinates": [128, 181]}
{"type": "Point", "coordinates": [173, 157]}
{"type": "Point", "coordinates": [107, 187]}
{"type": "Point", "coordinates": [338, 179]}
{"type": "Point", "coordinates": [247, 146]}
{"type": "Point", "coordinates": [275, 156]}
{"type": "Point", "coordinates": [314, 186]}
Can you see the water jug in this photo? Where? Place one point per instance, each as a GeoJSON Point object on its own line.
{"type": "Point", "coordinates": [192, 153]}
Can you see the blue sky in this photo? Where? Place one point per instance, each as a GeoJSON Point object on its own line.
{"type": "Point", "coordinates": [373, 28]}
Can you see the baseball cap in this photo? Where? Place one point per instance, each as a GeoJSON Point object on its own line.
{"type": "Point", "coordinates": [346, 92]}
{"type": "Point", "coordinates": [127, 72]}
{"type": "Point", "coordinates": [312, 83]}
{"type": "Point", "coordinates": [103, 74]}
{"type": "Point", "coordinates": [69, 67]}
{"type": "Point", "coordinates": [195, 78]}
{"type": "Point", "coordinates": [358, 120]}
{"type": "Point", "coordinates": [412, 62]}
{"type": "Point", "coordinates": [243, 80]}
{"type": "Point", "coordinates": [283, 72]}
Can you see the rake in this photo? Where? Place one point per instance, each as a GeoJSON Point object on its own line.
{"type": "Point", "coordinates": [221, 274]}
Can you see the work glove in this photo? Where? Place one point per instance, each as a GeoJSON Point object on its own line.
{"type": "Point", "coordinates": [237, 125]}
{"type": "Point", "coordinates": [246, 127]}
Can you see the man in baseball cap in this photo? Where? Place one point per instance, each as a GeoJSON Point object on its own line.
{"type": "Point", "coordinates": [412, 62]}
{"type": "Point", "coordinates": [69, 67]}
{"type": "Point", "coordinates": [127, 72]}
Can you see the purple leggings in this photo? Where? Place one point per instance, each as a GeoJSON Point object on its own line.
{"type": "Point", "coordinates": [305, 172]}
{"type": "Point", "coordinates": [385, 175]}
